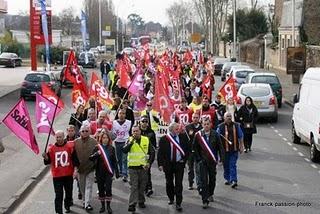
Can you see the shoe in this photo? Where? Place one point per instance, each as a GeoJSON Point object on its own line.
{"type": "Point", "coordinates": [246, 150]}
{"type": "Point", "coordinates": [149, 193]}
{"type": "Point", "coordinates": [131, 208]}
{"type": "Point", "coordinates": [227, 183]}
{"type": "Point", "coordinates": [210, 198]}
{"type": "Point", "coordinates": [125, 179]}
{"type": "Point", "coordinates": [79, 196]}
{"type": "Point", "coordinates": [234, 185]}
{"type": "Point", "coordinates": [102, 209]}
{"type": "Point", "coordinates": [205, 205]}
{"type": "Point", "coordinates": [178, 207]}
{"type": "Point", "coordinates": [67, 210]}
{"type": "Point", "coordinates": [249, 149]}
{"type": "Point", "coordinates": [170, 202]}
{"type": "Point", "coordinates": [109, 210]}
{"type": "Point", "coordinates": [190, 187]}
{"type": "Point", "coordinates": [89, 208]}
{"type": "Point", "coordinates": [142, 205]}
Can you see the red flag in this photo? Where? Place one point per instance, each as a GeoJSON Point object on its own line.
{"type": "Point", "coordinates": [187, 58]}
{"type": "Point", "coordinates": [98, 91]}
{"type": "Point", "coordinates": [78, 97]}
{"type": "Point", "coordinates": [229, 89]}
{"type": "Point", "coordinates": [18, 121]}
{"type": "Point", "coordinates": [124, 76]}
{"type": "Point", "coordinates": [162, 102]}
{"type": "Point", "coordinates": [201, 59]}
{"type": "Point", "coordinates": [50, 95]}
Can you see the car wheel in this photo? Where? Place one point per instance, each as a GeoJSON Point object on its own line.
{"type": "Point", "coordinates": [295, 138]}
{"type": "Point", "coordinates": [314, 153]}
{"type": "Point", "coordinates": [279, 103]}
{"type": "Point", "coordinates": [274, 119]}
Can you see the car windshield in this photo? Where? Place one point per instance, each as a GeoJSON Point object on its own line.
{"type": "Point", "coordinates": [265, 79]}
{"type": "Point", "coordinates": [37, 78]}
{"type": "Point", "coordinates": [255, 91]}
{"type": "Point", "coordinates": [6, 55]}
{"type": "Point", "coordinates": [243, 74]}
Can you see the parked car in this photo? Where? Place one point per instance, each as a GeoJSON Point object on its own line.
{"type": "Point", "coordinates": [32, 84]}
{"type": "Point", "coordinates": [91, 60]}
{"type": "Point", "coordinates": [10, 59]}
{"type": "Point", "coordinates": [235, 67]}
{"type": "Point", "coordinates": [218, 63]}
{"type": "Point", "coordinates": [269, 78]}
{"type": "Point", "coordinates": [67, 83]}
{"type": "Point", "coordinates": [306, 117]}
{"type": "Point", "coordinates": [263, 98]}
{"type": "Point", "coordinates": [240, 75]}
{"type": "Point", "coordinates": [226, 68]}
{"type": "Point", "coordinates": [95, 52]}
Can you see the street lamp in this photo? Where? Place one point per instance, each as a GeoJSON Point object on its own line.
{"type": "Point", "coordinates": [100, 28]}
{"type": "Point", "coordinates": [234, 29]}
{"type": "Point", "coordinates": [293, 22]}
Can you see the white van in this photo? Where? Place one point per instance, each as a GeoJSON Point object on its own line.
{"type": "Point", "coordinates": [306, 113]}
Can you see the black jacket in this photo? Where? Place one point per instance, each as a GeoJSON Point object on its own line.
{"type": "Point", "coordinates": [164, 152]}
{"type": "Point", "coordinates": [214, 142]}
{"type": "Point", "coordinates": [245, 116]}
{"type": "Point", "coordinates": [101, 169]}
{"type": "Point", "coordinates": [151, 135]}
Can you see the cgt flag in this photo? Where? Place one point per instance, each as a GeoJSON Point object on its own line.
{"type": "Point", "coordinates": [18, 121]}
{"type": "Point", "coordinates": [99, 92]}
{"type": "Point", "coordinates": [78, 97]}
{"type": "Point", "coordinates": [45, 113]}
{"type": "Point", "coordinates": [50, 95]}
{"type": "Point", "coordinates": [229, 89]}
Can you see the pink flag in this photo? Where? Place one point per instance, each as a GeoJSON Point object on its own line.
{"type": "Point", "coordinates": [18, 121]}
{"type": "Point", "coordinates": [136, 87]}
{"type": "Point", "coordinates": [45, 113]}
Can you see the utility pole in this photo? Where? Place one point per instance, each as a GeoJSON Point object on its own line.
{"type": "Point", "coordinates": [293, 22]}
{"type": "Point", "coordinates": [234, 29]}
{"type": "Point", "coordinates": [100, 28]}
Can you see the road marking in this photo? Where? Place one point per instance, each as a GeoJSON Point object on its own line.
{"type": "Point", "coordinates": [306, 159]}
{"type": "Point", "coordinates": [280, 135]}
{"type": "Point", "coordinates": [295, 149]}
{"type": "Point", "coordinates": [276, 131]}
{"type": "Point", "coordinates": [314, 166]}
{"type": "Point", "coordinates": [285, 139]}
{"type": "Point", "coordinates": [290, 144]}
{"type": "Point", "coordinates": [302, 155]}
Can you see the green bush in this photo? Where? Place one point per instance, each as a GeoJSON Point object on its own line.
{"type": "Point", "coordinates": [56, 54]}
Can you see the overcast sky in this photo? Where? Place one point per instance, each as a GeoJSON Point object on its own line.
{"type": "Point", "coordinates": [149, 10]}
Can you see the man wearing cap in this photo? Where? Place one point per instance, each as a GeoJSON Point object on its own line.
{"type": "Point", "coordinates": [152, 115]}
{"type": "Point", "coordinates": [148, 132]}
{"type": "Point", "coordinates": [232, 140]}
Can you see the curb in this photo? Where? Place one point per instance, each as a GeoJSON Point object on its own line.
{"type": "Point", "coordinates": [289, 103]}
{"type": "Point", "coordinates": [9, 92]}
{"type": "Point", "coordinates": [23, 192]}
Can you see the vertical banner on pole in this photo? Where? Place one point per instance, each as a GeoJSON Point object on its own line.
{"type": "Point", "coordinates": [84, 34]}
{"type": "Point", "coordinates": [45, 30]}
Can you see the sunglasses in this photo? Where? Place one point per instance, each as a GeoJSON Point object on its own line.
{"type": "Point", "coordinates": [85, 131]}
{"type": "Point", "coordinates": [149, 105]}
{"type": "Point", "coordinates": [144, 121]}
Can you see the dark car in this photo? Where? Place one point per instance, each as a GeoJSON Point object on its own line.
{"type": "Point", "coordinates": [66, 82]}
{"type": "Point", "coordinates": [10, 59]}
{"type": "Point", "coordinates": [91, 60]}
{"type": "Point", "coordinates": [32, 84]}
{"type": "Point", "coordinates": [218, 63]}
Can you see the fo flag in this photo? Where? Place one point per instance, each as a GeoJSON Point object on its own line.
{"type": "Point", "coordinates": [162, 102]}
{"type": "Point", "coordinates": [44, 114]}
{"type": "Point", "coordinates": [229, 89]}
{"type": "Point", "coordinates": [18, 121]}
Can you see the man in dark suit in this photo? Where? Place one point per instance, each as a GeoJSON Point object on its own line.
{"type": "Point", "coordinates": [172, 156]}
{"type": "Point", "coordinates": [208, 152]}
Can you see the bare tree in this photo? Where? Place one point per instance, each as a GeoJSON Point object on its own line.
{"type": "Point", "coordinates": [66, 20]}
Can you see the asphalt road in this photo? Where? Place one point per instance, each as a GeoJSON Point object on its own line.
{"type": "Point", "coordinates": [276, 177]}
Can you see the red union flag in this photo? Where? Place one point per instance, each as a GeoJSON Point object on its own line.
{"type": "Point", "coordinates": [98, 91]}
{"type": "Point", "coordinates": [18, 121]}
{"type": "Point", "coordinates": [229, 89]}
{"type": "Point", "coordinates": [78, 97]}
{"type": "Point", "coordinates": [50, 95]}
{"type": "Point", "coordinates": [162, 102]}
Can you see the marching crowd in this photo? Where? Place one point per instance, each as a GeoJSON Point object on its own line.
{"type": "Point", "coordinates": [204, 131]}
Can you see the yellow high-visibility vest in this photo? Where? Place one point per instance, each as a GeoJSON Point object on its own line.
{"type": "Point", "coordinates": [137, 155]}
{"type": "Point", "coordinates": [154, 124]}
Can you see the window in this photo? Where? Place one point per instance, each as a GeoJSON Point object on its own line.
{"type": "Point", "coordinates": [255, 91]}
{"type": "Point", "coordinates": [265, 79]}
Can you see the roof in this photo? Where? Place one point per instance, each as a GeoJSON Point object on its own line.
{"type": "Point", "coordinates": [255, 85]}
{"type": "Point", "coordinates": [286, 18]}
{"type": "Point", "coordinates": [312, 74]}
{"type": "Point", "coordinates": [263, 74]}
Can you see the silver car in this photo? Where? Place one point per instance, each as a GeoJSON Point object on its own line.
{"type": "Point", "coordinates": [263, 98]}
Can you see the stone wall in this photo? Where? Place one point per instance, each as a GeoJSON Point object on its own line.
{"type": "Point", "coordinates": [252, 51]}
{"type": "Point", "coordinates": [313, 56]}
{"type": "Point", "coordinates": [272, 58]}
{"type": "Point", "coordinates": [311, 25]}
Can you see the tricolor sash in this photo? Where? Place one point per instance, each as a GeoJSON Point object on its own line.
{"type": "Point", "coordinates": [206, 146]}
{"type": "Point", "coordinates": [105, 157]}
{"type": "Point", "coordinates": [175, 144]}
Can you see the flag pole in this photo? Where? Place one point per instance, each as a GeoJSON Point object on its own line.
{"type": "Point", "coordinates": [54, 116]}
{"type": "Point", "coordinates": [125, 94]}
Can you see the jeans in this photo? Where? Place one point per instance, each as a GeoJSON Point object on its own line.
{"type": "Point", "coordinates": [122, 159]}
{"type": "Point", "coordinates": [230, 166]}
